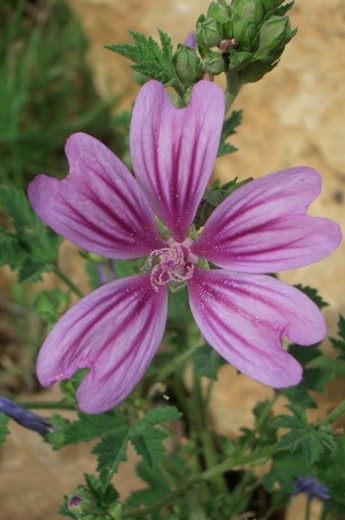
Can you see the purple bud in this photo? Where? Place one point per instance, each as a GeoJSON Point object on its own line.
{"type": "Point", "coordinates": [74, 501]}
{"type": "Point", "coordinates": [190, 40]}
{"type": "Point", "coordinates": [311, 487]}
{"type": "Point", "coordinates": [24, 417]}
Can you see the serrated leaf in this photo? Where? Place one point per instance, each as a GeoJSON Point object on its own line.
{"type": "Point", "coordinates": [206, 362]}
{"type": "Point", "coordinates": [89, 427]}
{"type": "Point", "coordinates": [340, 342]}
{"type": "Point", "coordinates": [229, 128]}
{"type": "Point", "coordinates": [29, 246]}
{"type": "Point", "coordinates": [160, 414]}
{"type": "Point", "coordinates": [149, 58]}
{"type": "Point", "coordinates": [313, 295]}
{"type": "Point", "coordinates": [4, 431]}
{"type": "Point", "coordinates": [312, 441]}
{"type": "Point", "coordinates": [147, 441]}
{"type": "Point", "coordinates": [111, 450]}
{"type": "Point", "coordinates": [157, 488]}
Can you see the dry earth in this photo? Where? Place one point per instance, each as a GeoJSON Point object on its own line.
{"type": "Point", "coordinates": [296, 115]}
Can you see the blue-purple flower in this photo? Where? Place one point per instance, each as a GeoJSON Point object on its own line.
{"type": "Point", "coordinates": [311, 487]}
{"type": "Point", "coordinates": [260, 228]}
{"type": "Point", "coordinates": [23, 417]}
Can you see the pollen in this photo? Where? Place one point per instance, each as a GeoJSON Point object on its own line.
{"type": "Point", "coordinates": [173, 263]}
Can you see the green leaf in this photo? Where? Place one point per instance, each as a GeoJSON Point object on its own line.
{"type": "Point", "coordinates": [4, 431]}
{"type": "Point", "coordinates": [206, 362]}
{"type": "Point", "coordinates": [157, 488]}
{"type": "Point", "coordinates": [147, 441]}
{"type": "Point", "coordinates": [150, 59]}
{"type": "Point", "coordinates": [340, 343]}
{"type": "Point", "coordinates": [89, 427]}
{"type": "Point", "coordinates": [111, 450]}
{"type": "Point", "coordinates": [30, 245]}
{"type": "Point", "coordinates": [311, 440]}
{"type": "Point", "coordinates": [229, 128]}
{"type": "Point", "coordinates": [313, 295]}
{"type": "Point", "coordinates": [160, 414]}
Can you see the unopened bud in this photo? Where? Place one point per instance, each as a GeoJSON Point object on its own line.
{"type": "Point", "coordinates": [213, 63]}
{"type": "Point", "coordinates": [187, 64]}
{"type": "Point", "coordinates": [271, 4]}
{"type": "Point", "coordinates": [246, 34]}
{"type": "Point", "coordinates": [250, 10]}
{"type": "Point", "coordinates": [208, 33]}
{"type": "Point", "coordinates": [220, 12]}
{"type": "Point", "coordinates": [275, 33]}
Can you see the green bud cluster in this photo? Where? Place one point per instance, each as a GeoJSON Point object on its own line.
{"type": "Point", "coordinates": [245, 38]}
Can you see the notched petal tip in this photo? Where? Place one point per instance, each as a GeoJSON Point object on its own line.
{"type": "Point", "coordinates": [114, 331]}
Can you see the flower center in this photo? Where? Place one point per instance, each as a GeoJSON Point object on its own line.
{"type": "Point", "coordinates": [174, 263]}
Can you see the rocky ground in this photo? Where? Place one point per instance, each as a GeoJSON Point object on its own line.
{"type": "Point", "coordinates": [296, 115]}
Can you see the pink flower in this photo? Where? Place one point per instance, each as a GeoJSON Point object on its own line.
{"type": "Point", "coordinates": [262, 227]}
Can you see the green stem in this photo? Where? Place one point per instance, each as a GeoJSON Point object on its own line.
{"type": "Point", "coordinates": [232, 88]}
{"type": "Point", "coordinates": [201, 427]}
{"type": "Point", "coordinates": [334, 415]}
{"type": "Point", "coordinates": [45, 405]}
{"type": "Point", "coordinates": [307, 510]}
{"type": "Point", "coordinates": [68, 281]}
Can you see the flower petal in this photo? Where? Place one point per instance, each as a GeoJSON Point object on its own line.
{"type": "Point", "coordinates": [244, 317]}
{"type": "Point", "coordinates": [115, 332]}
{"type": "Point", "coordinates": [262, 226]}
{"type": "Point", "coordinates": [173, 150]}
{"type": "Point", "coordinates": [99, 206]}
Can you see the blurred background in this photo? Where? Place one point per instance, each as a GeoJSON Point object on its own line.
{"type": "Point", "coordinates": [56, 78]}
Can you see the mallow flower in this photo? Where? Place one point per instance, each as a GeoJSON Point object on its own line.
{"type": "Point", "coordinates": [262, 227]}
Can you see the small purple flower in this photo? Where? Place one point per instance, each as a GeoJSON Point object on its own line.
{"type": "Point", "coordinates": [24, 417]}
{"type": "Point", "coordinates": [311, 487]}
{"type": "Point", "coordinates": [262, 227]}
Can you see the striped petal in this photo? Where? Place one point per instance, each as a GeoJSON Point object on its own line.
{"type": "Point", "coordinates": [115, 332]}
{"type": "Point", "coordinates": [262, 227]}
{"type": "Point", "coordinates": [99, 206]}
{"type": "Point", "coordinates": [173, 150]}
{"type": "Point", "coordinates": [244, 317]}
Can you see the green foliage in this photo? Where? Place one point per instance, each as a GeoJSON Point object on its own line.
{"type": "Point", "coordinates": [206, 362]}
{"type": "Point", "coordinates": [30, 246]}
{"type": "Point", "coordinates": [213, 196]}
{"type": "Point", "coordinates": [314, 377]}
{"type": "Point", "coordinates": [50, 304]}
{"type": "Point", "coordinates": [157, 488]}
{"type": "Point", "coordinates": [312, 441]}
{"type": "Point", "coordinates": [115, 431]}
{"type": "Point", "coordinates": [4, 431]}
{"type": "Point", "coordinates": [46, 90]}
{"type": "Point", "coordinates": [339, 343]}
{"type": "Point", "coordinates": [150, 59]}
{"type": "Point", "coordinates": [95, 501]}
{"type": "Point", "coordinates": [229, 128]}
{"type": "Point", "coordinates": [313, 295]}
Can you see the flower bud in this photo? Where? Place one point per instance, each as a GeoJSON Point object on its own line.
{"type": "Point", "coordinates": [249, 10]}
{"type": "Point", "coordinates": [187, 64]}
{"type": "Point", "coordinates": [271, 4]}
{"type": "Point", "coordinates": [208, 33]}
{"type": "Point", "coordinates": [220, 12]}
{"type": "Point", "coordinates": [246, 34]}
{"type": "Point", "coordinates": [213, 63]}
{"type": "Point", "coordinates": [275, 33]}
